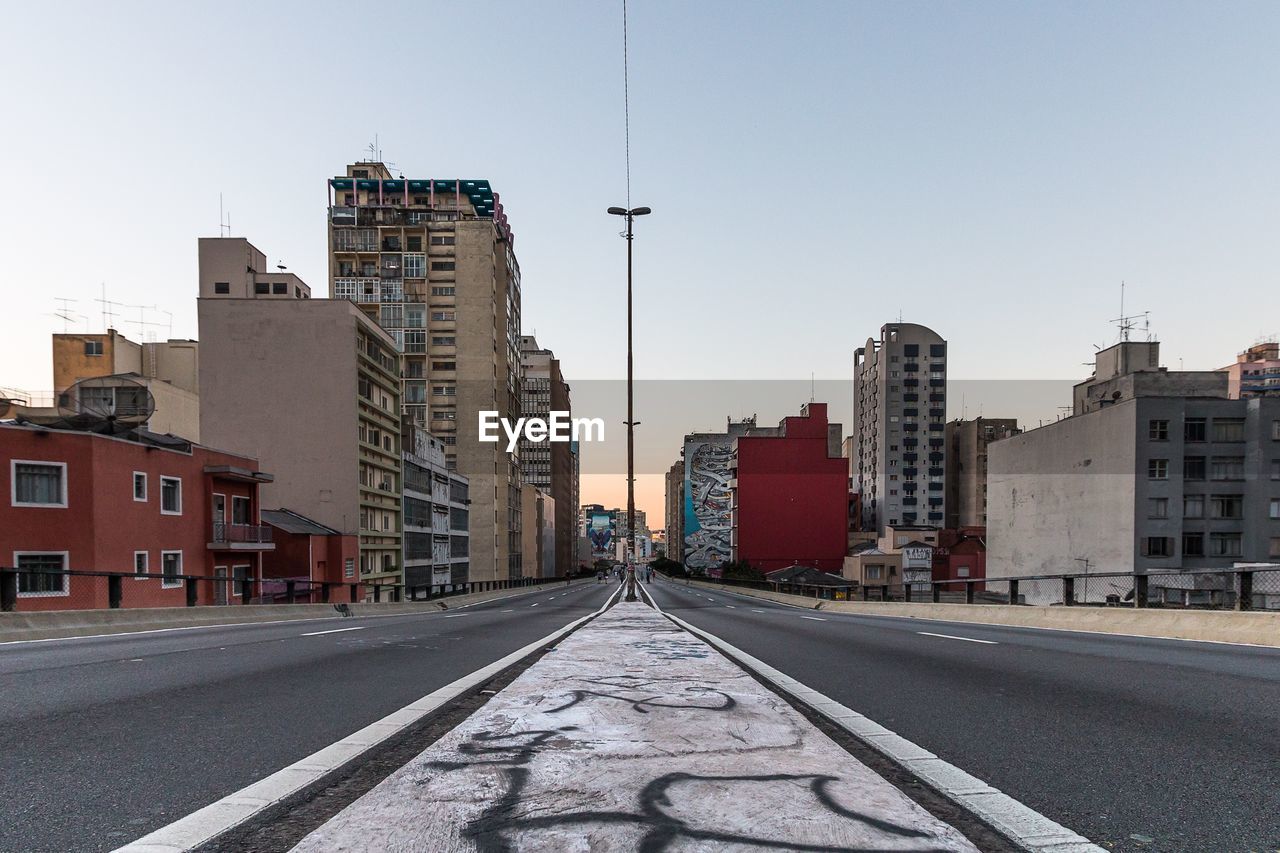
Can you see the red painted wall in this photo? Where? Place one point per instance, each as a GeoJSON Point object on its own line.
{"type": "Point", "coordinates": [102, 525]}
{"type": "Point", "coordinates": [792, 500]}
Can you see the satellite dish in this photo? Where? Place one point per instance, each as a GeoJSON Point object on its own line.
{"type": "Point", "coordinates": [107, 404]}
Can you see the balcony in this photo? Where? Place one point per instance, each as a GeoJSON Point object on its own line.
{"type": "Point", "coordinates": [241, 537]}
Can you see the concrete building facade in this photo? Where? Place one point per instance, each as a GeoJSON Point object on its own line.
{"type": "Point", "coordinates": [1156, 479]}
{"type": "Point", "coordinates": [169, 370]}
{"type": "Point", "coordinates": [436, 505]}
{"type": "Point", "coordinates": [549, 466]}
{"type": "Point", "coordinates": [966, 467]}
{"type": "Point", "coordinates": [899, 421]}
{"type": "Point", "coordinates": [313, 386]}
{"type": "Point", "coordinates": [432, 262]}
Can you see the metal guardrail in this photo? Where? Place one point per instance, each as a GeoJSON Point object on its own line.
{"type": "Point", "coordinates": [225, 532]}
{"type": "Point", "coordinates": [116, 589]}
{"type": "Point", "coordinates": [1253, 587]}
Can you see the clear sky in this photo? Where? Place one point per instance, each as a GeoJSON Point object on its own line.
{"type": "Point", "coordinates": [992, 170]}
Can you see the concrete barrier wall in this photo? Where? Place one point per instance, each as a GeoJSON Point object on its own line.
{"type": "Point", "coordinates": [1220, 626]}
{"type": "Point", "coordinates": [74, 623]}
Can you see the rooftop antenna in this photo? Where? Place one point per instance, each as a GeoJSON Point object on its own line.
{"type": "Point", "coordinates": [1127, 323]}
{"type": "Point", "coordinates": [224, 220]}
{"type": "Point", "coordinates": [375, 152]}
{"type": "Point", "coordinates": [108, 315]}
{"type": "Point", "coordinates": [65, 313]}
{"type": "Point", "coordinates": [142, 322]}
{"type": "Point", "coordinates": [811, 386]}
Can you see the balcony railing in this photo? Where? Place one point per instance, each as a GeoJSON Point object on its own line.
{"type": "Point", "coordinates": [241, 534]}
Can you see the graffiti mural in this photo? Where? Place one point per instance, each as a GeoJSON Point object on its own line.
{"type": "Point", "coordinates": [600, 531]}
{"type": "Point", "coordinates": [707, 503]}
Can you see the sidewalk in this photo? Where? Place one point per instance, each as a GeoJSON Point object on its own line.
{"type": "Point", "coordinates": [634, 735]}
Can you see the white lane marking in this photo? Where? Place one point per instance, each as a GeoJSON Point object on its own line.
{"type": "Point", "coordinates": [953, 637]}
{"type": "Point", "coordinates": [731, 607]}
{"type": "Point", "coordinates": [333, 631]}
{"type": "Point", "coordinates": [535, 604]}
{"type": "Point", "coordinates": [1029, 829]}
{"type": "Point", "coordinates": [753, 610]}
{"type": "Point", "coordinates": [455, 615]}
{"type": "Point", "coordinates": [507, 611]}
{"type": "Point", "coordinates": [234, 809]}
{"type": "Point", "coordinates": [814, 618]}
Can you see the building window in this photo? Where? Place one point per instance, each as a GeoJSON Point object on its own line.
{"type": "Point", "coordinates": [1275, 508]}
{"type": "Point", "coordinates": [261, 288]}
{"type": "Point", "coordinates": [1275, 430]}
{"type": "Point", "coordinates": [1158, 430]}
{"type": "Point", "coordinates": [442, 240]}
{"type": "Point", "coordinates": [1194, 429]}
{"type": "Point", "coordinates": [240, 507]}
{"type": "Point", "coordinates": [1224, 544]}
{"type": "Point", "coordinates": [280, 288]}
{"type": "Point", "coordinates": [38, 483]}
{"type": "Point", "coordinates": [1228, 429]}
{"type": "Point", "coordinates": [1275, 547]}
{"type": "Point", "coordinates": [442, 266]}
{"type": "Point", "coordinates": [141, 564]}
{"type": "Point", "coordinates": [1193, 544]}
{"type": "Point", "coordinates": [222, 287]}
{"type": "Point", "coordinates": [44, 573]}
{"type": "Point", "coordinates": [1158, 469]}
{"type": "Point", "coordinates": [1193, 506]}
{"type": "Point", "coordinates": [444, 316]}
{"type": "Point", "coordinates": [349, 567]}
{"type": "Point", "coordinates": [1226, 506]}
{"type": "Point", "coordinates": [240, 578]}
{"type": "Point", "coordinates": [1158, 508]}
{"type": "Point", "coordinates": [1157, 546]}
{"type": "Point", "coordinates": [170, 569]}
{"type": "Point", "coordinates": [139, 486]}
{"type": "Point", "coordinates": [1193, 468]}
{"type": "Point", "coordinates": [443, 291]}
{"type": "Point", "coordinates": [93, 348]}
{"type": "Point", "coordinates": [874, 572]}
{"type": "Point", "coordinates": [170, 496]}
{"type": "Point", "coordinates": [1226, 468]}
{"type": "Point", "coordinates": [444, 341]}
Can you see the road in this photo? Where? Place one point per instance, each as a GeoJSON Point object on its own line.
{"type": "Point", "coordinates": [105, 739]}
{"type": "Point", "coordinates": [1138, 744]}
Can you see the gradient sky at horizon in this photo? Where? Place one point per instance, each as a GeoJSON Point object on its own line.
{"type": "Point", "coordinates": [992, 170]}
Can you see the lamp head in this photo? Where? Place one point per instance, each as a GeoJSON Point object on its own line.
{"type": "Point", "coordinates": [617, 211]}
{"type": "Point", "coordinates": [640, 211]}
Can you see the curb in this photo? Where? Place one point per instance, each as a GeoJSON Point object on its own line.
{"type": "Point", "coordinates": [205, 824]}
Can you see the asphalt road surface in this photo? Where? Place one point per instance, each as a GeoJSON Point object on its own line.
{"type": "Point", "coordinates": [1137, 744]}
{"type": "Point", "coordinates": [103, 740]}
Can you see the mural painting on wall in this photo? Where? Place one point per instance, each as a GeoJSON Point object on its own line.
{"type": "Point", "coordinates": [707, 502]}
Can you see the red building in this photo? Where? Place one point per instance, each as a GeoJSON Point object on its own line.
{"type": "Point", "coordinates": [791, 494]}
{"type": "Point", "coordinates": [307, 553]}
{"type": "Point", "coordinates": [960, 553]}
{"type": "Point", "coordinates": [154, 506]}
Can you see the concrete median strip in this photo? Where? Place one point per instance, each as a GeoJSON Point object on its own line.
{"type": "Point", "coordinates": [1027, 829]}
{"type": "Point", "coordinates": [233, 810]}
{"type": "Point", "coordinates": [634, 735]}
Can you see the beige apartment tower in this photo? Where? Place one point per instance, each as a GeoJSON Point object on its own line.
{"type": "Point", "coordinates": [309, 386]}
{"type": "Point", "coordinates": [431, 261]}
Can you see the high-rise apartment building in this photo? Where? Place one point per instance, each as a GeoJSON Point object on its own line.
{"type": "Point", "coordinates": [674, 541]}
{"type": "Point", "coordinates": [899, 421]}
{"type": "Point", "coordinates": [966, 468]}
{"type": "Point", "coordinates": [549, 465]}
{"type": "Point", "coordinates": [311, 385]}
{"type": "Point", "coordinates": [431, 261]}
{"type": "Point", "coordinates": [1256, 372]}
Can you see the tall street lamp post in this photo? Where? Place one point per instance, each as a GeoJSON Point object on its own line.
{"type": "Point", "coordinates": [630, 215]}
